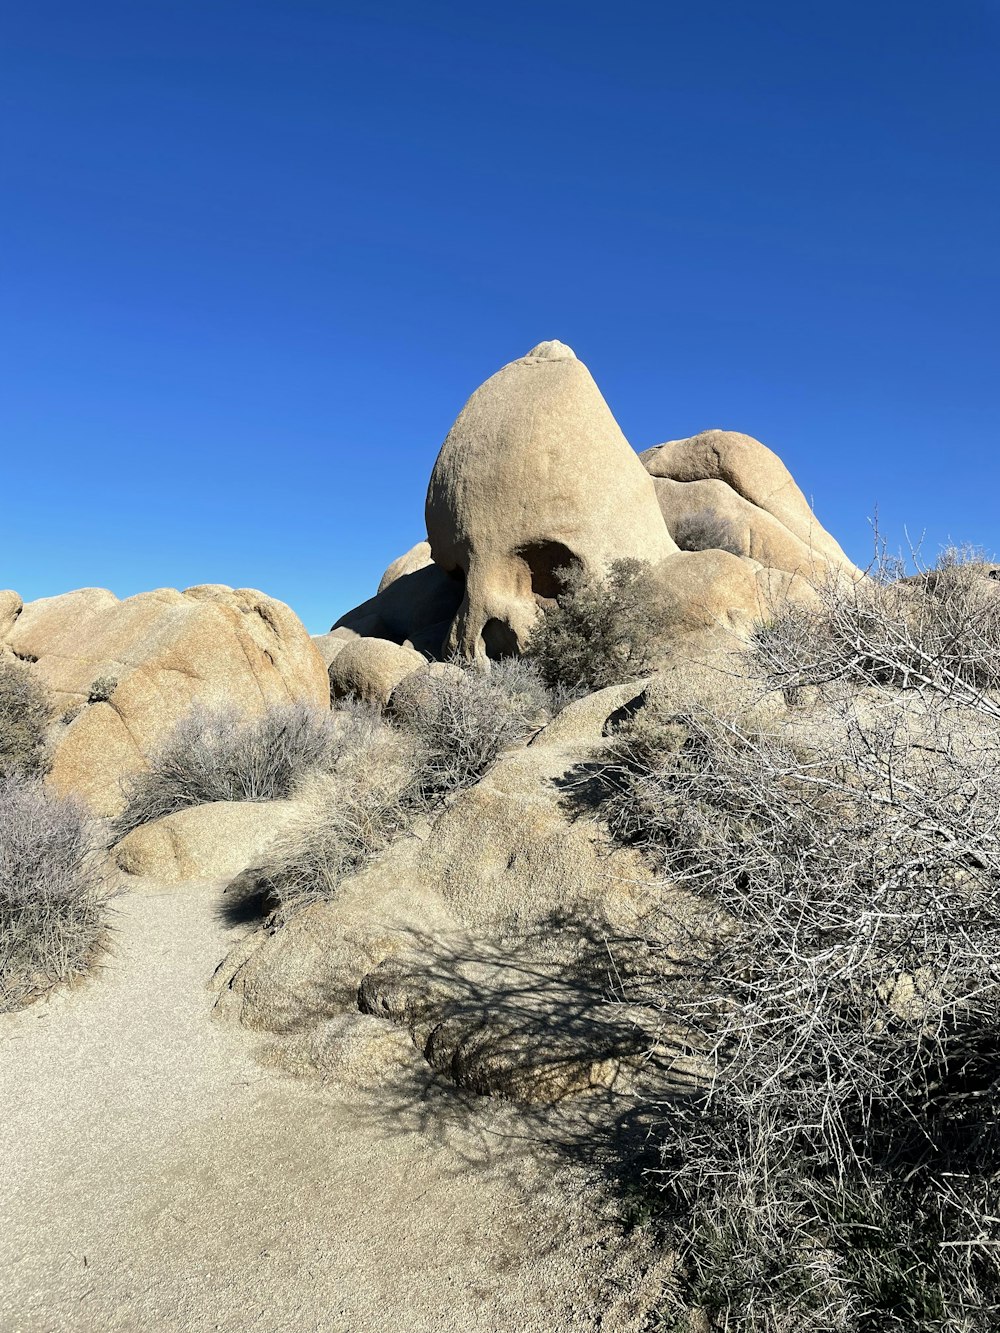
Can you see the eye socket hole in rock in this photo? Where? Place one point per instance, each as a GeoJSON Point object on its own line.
{"type": "Point", "coordinates": [500, 640]}
{"type": "Point", "coordinates": [549, 563]}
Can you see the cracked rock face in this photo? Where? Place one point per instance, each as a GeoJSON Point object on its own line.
{"type": "Point", "coordinates": [534, 477]}
{"type": "Point", "coordinates": [156, 655]}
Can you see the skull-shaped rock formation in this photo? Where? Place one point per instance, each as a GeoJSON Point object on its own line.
{"type": "Point", "coordinates": [535, 477]}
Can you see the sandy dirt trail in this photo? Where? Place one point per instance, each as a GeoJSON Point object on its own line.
{"type": "Point", "coordinates": [156, 1176]}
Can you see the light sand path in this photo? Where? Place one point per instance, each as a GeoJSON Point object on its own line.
{"type": "Point", "coordinates": [156, 1177]}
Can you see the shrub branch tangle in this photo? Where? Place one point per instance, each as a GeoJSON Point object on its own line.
{"type": "Point", "coordinates": [52, 893]}
{"type": "Point", "coordinates": [840, 1166]}
{"type": "Point", "coordinates": [462, 722]}
{"type": "Point", "coordinates": [936, 632]}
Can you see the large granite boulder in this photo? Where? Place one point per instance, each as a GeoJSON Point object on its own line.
{"type": "Point", "coordinates": [724, 489]}
{"type": "Point", "coordinates": [122, 673]}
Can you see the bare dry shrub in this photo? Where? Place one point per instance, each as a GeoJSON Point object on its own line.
{"type": "Point", "coordinates": [706, 530]}
{"type": "Point", "coordinates": [839, 1167]}
{"type": "Point", "coordinates": [462, 722]}
{"type": "Point", "coordinates": [602, 631]}
{"type": "Point", "coordinates": [223, 755]}
{"type": "Point", "coordinates": [53, 895]}
{"type": "Point", "coordinates": [524, 686]}
{"type": "Point", "coordinates": [937, 631]}
{"type": "Point", "coordinates": [25, 712]}
{"type": "Point", "coordinates": [346, 817]}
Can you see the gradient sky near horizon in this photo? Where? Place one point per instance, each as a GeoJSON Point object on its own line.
{"type": "Point", "coordinates": [254, 256]}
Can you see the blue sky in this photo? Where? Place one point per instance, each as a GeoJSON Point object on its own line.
{"type": "Point", "coordinates": [255, 256]}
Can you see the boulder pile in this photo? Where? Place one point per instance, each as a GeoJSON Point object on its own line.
{"type": "Point", "coordinates": [535, 479]}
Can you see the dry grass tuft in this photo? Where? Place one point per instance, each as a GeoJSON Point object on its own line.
{"type": "Point", "coordinates": [345, 818]}
{"type": "Point", "coordinates": [706, 530]}
{"type": "Point", "coordinates": [226, 756]}
{"type": "Point", "coordinates": [53, 894]}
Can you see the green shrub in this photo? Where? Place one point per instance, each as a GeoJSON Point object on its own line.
{"type": "Point", "coordinates": [102, 689]}
{"type": "Point", "coordinates": [602, 631]}
{"type": "Point", "coordinates": [25, 712]}
{"type": "Point", "coordinates": [226, 756]}
{"type": "Point", "coordinates": [53, 898]}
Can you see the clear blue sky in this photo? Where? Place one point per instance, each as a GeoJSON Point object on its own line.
{"type": "Point", "coordinates": [255, 256]}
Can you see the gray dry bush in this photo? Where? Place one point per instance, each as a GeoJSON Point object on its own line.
{"type": "Point", "coordinates": [602, 631]}
{"type": "Point", "coordinates": [226, 756]}
{"type": "Point", "coordinates": [839, 1167]}
{"type": "Point", "coordinates": [446, 731]}
{"type": "Point", "coordinates": [53, 898]}
{"type": "Point", "coordinates": [706, 530]}
{"type": "Point", "coordinates": [102, 689]}
{"type": "Point", "coordinates": [938, 631]}
{"type": "Point", "coordinates": [25, 712]}
{"type": "Point", "coordinates": [462, 721]}
{"type": "Point", "coordinates": [344, 818]}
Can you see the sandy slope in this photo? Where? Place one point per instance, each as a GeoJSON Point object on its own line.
{"type": "Point", "coordinates": [156, 1176]}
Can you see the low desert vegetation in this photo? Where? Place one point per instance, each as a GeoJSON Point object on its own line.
{"type": "Point", "coordinates": [25, 713]}
{"type": "Point", "coordinates": [602, 631]}
{"type": "Point", "coordinates": [344, 819]}
{"type": "Point", "coordinates": [837, 1165]}
{"type": "Point", "coordinates": [443, 733]}
{"type": "Point", "coordinates": [934, 632]}
{"type": "Point", "coordinates": [102, 689]}
{"type": "Point", "coordinates": [706, 530]}
{"type": "Point", "coordinates": [223, 755]}
{"type": "Point", "coordinates": [463, 720]}
{"type": "Point", "coordinates": [361, 778]}
{"type": "Point", "coordinates": [53, 891]}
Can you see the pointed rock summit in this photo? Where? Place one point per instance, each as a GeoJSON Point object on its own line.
{"type": "Point", "coordinates": [535, 476]}
{"type": "Point", "coordinates": [553, 350]}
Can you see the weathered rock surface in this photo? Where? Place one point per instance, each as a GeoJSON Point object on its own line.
{"type": "Point", "coordinates": [416, 604]}
{"type": "Point", "coordinates": [416, 558]}
{"type": "Point", "coordinates": [10, 609]}
{"type": "Point", "coordinates": [724, 478]}
{"type": "Point", "coordinates": [534, 476]}
{"type": "Point", "coordinates": [329, 645]}
{"type": "Point", "coordinates": [501, 865]}
{"type": "Point", "coordinates": [162, 652]}
{"type": "Point", "coordinates": [370, 669]}
{"type": "Point", "coordinates": [212, 841]}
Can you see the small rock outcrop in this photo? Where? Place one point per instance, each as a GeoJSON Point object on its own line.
{"type": "Point", "coordinates": [724, 488]}
{"type": "Point", "coordinates": [370, 669]}
{"type": "Point", "coordinates": [213, 841]}
{"type": "Point", "coordinates": [155, 655]}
